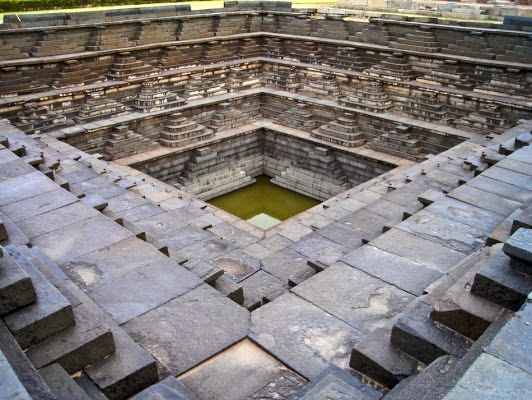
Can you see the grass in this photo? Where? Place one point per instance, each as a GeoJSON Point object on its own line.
{"type": "Point", "coordinates": [195, 5]}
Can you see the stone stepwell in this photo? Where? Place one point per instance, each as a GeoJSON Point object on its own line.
{"type": "Point", "coordinates": [410, 280]}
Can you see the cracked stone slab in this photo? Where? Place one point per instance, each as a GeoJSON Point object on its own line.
{"type": "Point", "coordinates": [343, 235]}
{"type": "Point", "coordinates": [70, 242]}
{"type": "Point", "coordinates": [303, 336]}
{"type": "Point", "coordinates": [422, 251]}
{"type": "Point", "coordinates": [491, 378]}
{"type": "Point", "coordinates": [189, 329]}
{"type": "Point", "coordinates": [438, 229]}
{"type": "Point", "coordinates": [466, 213]}
{"type": "Point", "coordinates": [55, 219]}
{"type": "Point", "coordinates": [24, 187]}
{"type": "Point", "coordinates": [125, 201]}
{"type": "Point", "coordinates": [287, 264]}
{"type": "Point", "coordinates": [259, 286]}
{"type": "Point", "coordinates": [98, 185]}
{"type": "Point", "coordinates": [316, 246]}
{"type": "Point", "coordinates": [365, 221]}
{"type": "Point", "coordinates": [184, 237]}
{"type": "Point", "coordinates": [486, 200]}
{"type": "Point", "coordinates": [404, 273]}
{"type": "Point", "coordinates": [141, 212]}
{"type": "Point", "coordinates": [353, 296]}
{"type": "Point", "coordinates": [207, 249]}
{"type": "Point", "coordinates": [242, 371]}
{"type": "Point", "coordinates": [237, 264]}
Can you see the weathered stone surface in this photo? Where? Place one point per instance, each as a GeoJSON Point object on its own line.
{"type": "Point", "coordinates": [513, 343]}
{"type": "Point", "coordinates": [141, 212]}
{"type": "Point", "coordinates": [286, 264]}
{"type": "Point", "coordinates": [507, 190]}
{"type": "Point", "coordinates": [336, 383]}
{"type": "Point", "coordinates": [25, 186]}
{"type": "Point", "coordinates": [261, 287]}
{"type": "Point", "coordinates": [454, 235]}
{"type": "Point", "coordinates": [486, 200]}
{"type": "Point", "coordinates": [61, 384]}
{"type": "Point", "coordinates": [467, 214]}
{"type": "Point", "coordinates": [184, 237]}
{"type": "Point", "coordinates": [519, 246]}
{"type": "Point", "coordinates": [127, 371]}
{"type": "Point", "coordinates": [167, 389]}
{"type": "Point", "coordinates": [10, 386]}
{"type": "Point", "coordinates": [159, 281]}
{"type": "Point", "coordinates": [422, 251]}
{"type": "Point", "coordinates": [370, 306]}
{"type": "Point", "coordinates": [365, 221]}
{"type": "Point", "coordinates": [56, 219]}
{"type": "Point", "coordinates": [72, 241]}
{"type": "Point", "coordinates": [14, 168]}
{"type": "Point", "coordinates": [242, 371]}
{"type": "Point", "coordinates": [16, 288]}
{"type": "Point", "coordinates": [125, 201]}
{"type": "Point", "coordinates": [340, 233]}
{"type": "Point", "coordinates": [224, 284]}
{"type": "Point", "coordinates": [22, 367]}
{"type": "Point", "coordinates": [491, 378]}
{"type": "Point", "coordinates": [416, 334]}
{"type": "Point", "coordinates": [393, 269]}
{"type": "Point", "coordinates": [203, 269]}
{"type": "Point", "coordinates": [206, 249]}
{"type": "Point", "coordinates": [303, 336]}
{"type": "Point", "coordinates": [380, 360]}
{"type": "Point", "coordinates": [501, 284]}
{"type": "Point", "coordinates": [40, 204]}
{"type": "Point", "coordinates": [316, 246]}
{"type": "Point", "coordinates": [237, 264]}
{"type": "Point", "coordinates": [77, 347]}
{"type": "Point", "coordinates": [97, 186]}
{"type": "Point", "coordinates": [189, 329]}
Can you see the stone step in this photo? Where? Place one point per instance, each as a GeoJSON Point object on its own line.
{"type": "Point", "coordinates": [378, 359]}
{"type": "Point", "coordinates": [167, 389]}
{"type": "Point", "coordinates": [519, 248]}
{"type": "Point", "coordinates": [61, 384]}
{"type": "Point", "coordinates": [16, 287]}
{"type": "Point", "coordinates": [50, 314]}
{"type": "Point", "coordinates": [417, 335]}
{"type": "Point", "coordinates": [77, 347]}
{"type": "Point", "coordinates": [461, 310]}
{"type": "Point", "coordinates": [333, 381]}
{"type": "Point", "coordinates": [501, 284]}
{"type": "Point", "coordinates": [24, 370]}
{"type": "Point", "coordinates": [10, 386]}
{"type": "Point", "coordinates": [127, 371]}
{"type": "Point", "coordinates": [439, 377]}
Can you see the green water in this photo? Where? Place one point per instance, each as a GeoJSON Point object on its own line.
{"type": "Point", "coordinates": [263, 203]}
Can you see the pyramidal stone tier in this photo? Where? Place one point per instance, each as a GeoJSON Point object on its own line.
{"type": "Point", "coordinates": [124, 143]}
{"type": "Point", "coordinates": [273, 47]}
{"type": "Point", "coordinates": [128, 67]}
{"type": "Point", "coordinates": [425, 107]}
{"type": "Point", "coordinates": [153, 97]}
{"type": "Point", "coordinates": [13, 83]}
{"type": "Point", "coordinates": [447, 74]}
{"type": "Point", "coordinates": [473, 45]}
{"type": "Point", "coordinates": [243, 78]}
{"type": "Point", "coordinates": [281, 77]}
{"type": "Point", "coordinates": [421, 40]}
{"type": "Point", "coordinates": [299, 117]}
{"type": "Point", "coordinates": [344, 131]}
{"type": "Point", "coordinates": [375, 32]}
{"type": "Point", "coordinates": [180, 131]}
{"type": "Point", "coordinates": [509, 83]}
{"type": "Point", "coordinates": [220, 50]}
{"type": "Point", "coordinates": [395, 67]}
{"type": "Point", "coordinates": [228, 117]}
{"type": "Point", "coordinates": [348, 58]}
{"type": "Point", "coordinates": [74, 73]}
{"type": "Point", "coordinates": [320, 85]}
{"type": "Point", "coordinates": [98, 106]}
{"type": "Point", "coordinates": [197, 87]}
{"type": "Point", "coordinates": [486, 120]}
{"type": "Point", "coordinates": [180, 56]}
{"type": "Point", "coordinates": [306, 52]}
{"type": "Point", "coordinates": [370, 97]}
{"type": "Point", "coordinates": [35, 118]}
{"type": "Point", "coordinates": [249, 48]}
{"type": "Point", "coordinates": [399, 142]}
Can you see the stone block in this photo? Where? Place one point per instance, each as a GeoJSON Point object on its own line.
{"type": "Point", "coordinates": [167, 389]}
{"type": "Point", "coordinates": [359, 309]}
{"type": "Point", "coordinates": [189, 329]}
{"type": "Point", "coordinates": [11, 387]}
{"type": "Point", "coordinates": [416, 334]}
{"type": "Point", "coordinates": [260, 288]}
{"type": "Point", "coordinates": [519, 248]}
{"type": "Point", "coordinates": [77, 347]}
{"type": "Point", "coordinates": [61, 384]}
{"type": "Point", "coordinates": [230, 288]}
{"type": "Point", "coordinates": [303, 336]}
{"type": "Point", "coordinates": [16, 287]}
{"type": "Point", "coordinates": [242, 371]}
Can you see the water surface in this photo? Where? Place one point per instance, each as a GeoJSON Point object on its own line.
{"type": "Point", "coordinates": [264, 204]}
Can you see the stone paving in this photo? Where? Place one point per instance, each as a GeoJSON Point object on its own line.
{"type": "Point", "coordinates": [134, 287]}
